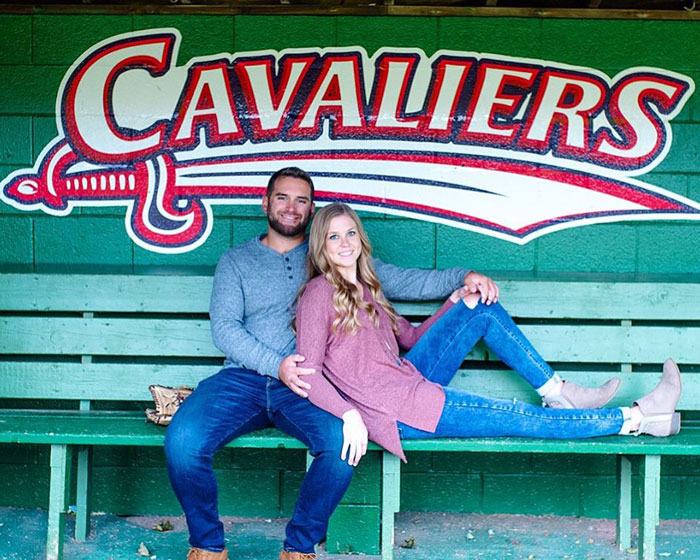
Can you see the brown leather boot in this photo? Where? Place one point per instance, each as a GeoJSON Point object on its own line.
{"type": "Point", "coordinates": [286, 555]}
{"type": "Point", "coordinates": [199, 554]}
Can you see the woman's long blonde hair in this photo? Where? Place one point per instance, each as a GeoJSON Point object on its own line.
{"type": "Point", "coordinates": [347, 300]}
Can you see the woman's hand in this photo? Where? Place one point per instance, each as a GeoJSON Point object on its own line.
{"type": "Point", "coordinates": [475, 283]}
{"type": "Point", "coordinates": [354, 437]}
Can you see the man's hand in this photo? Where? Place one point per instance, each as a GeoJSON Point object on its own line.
{"type": "Point", "coordinates": [483, 285]}
{"type": "Point", "coordinates": [290, 374]}
{"type": "Point", "coordinates": [354, 437]}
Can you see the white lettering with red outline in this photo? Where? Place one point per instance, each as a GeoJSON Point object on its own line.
{"type": "Point", "coordinates": [509, 147]}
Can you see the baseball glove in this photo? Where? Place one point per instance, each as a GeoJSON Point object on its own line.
{"type": "Point", "coordinates": [167, 401]}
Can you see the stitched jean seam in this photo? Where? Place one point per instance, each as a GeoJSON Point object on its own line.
{"type": "Point", "coordinates": [523, 412]}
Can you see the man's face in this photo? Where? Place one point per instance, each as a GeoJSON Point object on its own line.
{"type": "Point", "coordinates": [289, 207]}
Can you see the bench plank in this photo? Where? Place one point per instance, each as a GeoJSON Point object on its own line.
{"type": "Point", "coordinates": [128, 428]}
{"type": "Point", "coordinates": [115, 337]}
{"type": "Point", "coordinates": [663, 299]}
{"type": "Point", "coordinates": [192, 338]}
{"type": "Point", "coordinates": [87, 338]}
{"type": "Point", "coordinates": [125, 382]}
{"type": "Point", "coordinates": [104, 292]}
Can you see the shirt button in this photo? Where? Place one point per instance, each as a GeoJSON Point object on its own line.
{"type": "Point", "coordinates": [286, 259]}
{"type": "Point", "coordinates": [291, 277]}
{"type": "Point", "coordinates": [289, 268]}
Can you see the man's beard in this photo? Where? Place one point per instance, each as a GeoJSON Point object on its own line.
{"type": "Point", "coordinates": [289, 231]}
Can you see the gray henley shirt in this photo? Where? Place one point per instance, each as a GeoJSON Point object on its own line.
{"type": "Point", "coordinates": [254, 291]}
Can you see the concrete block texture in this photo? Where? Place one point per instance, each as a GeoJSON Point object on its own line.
{"type": "Point", "coordinates": [672, 247]}
{"type": "Point", "coordinates": [43, 131]}
{"type": "Point", "coordinates": [16, 247]}
{"type": "Point", "coordinates": [78, 243]}
{"type": "Point", "coordinates": [37, 50]}
{"type": "Point", "coordinates": [254, 33]}
{"type": "Point", "coordinates": [61, 39]}
{"type": "Point", "coordinates": [364, 537]}
{"type": "Point", "coordinates": [206, 255]}
{"type": "Point", "coordinates": [595, 248]}
{"type": "Point", "coordinates": [40, 81]}
{"type": "Point", "coordinates": [457, 247]}
{"type": "Point", "coordinates": [15, 39]}
{"type": "Point", "coordinates": [375, 32]}
{"type": "Point", "coordinates": [202, 35]}
{"type": "Point", "coordinates": [520, 493]}
{"type": "Point", "coordinates": [408, 243]}
{"type": "Point", "coordinates": [15, 140]}
{"type": "Point", "coordinates": [492, 35]}
{"type": "Point", "coordinates": [441, 492]}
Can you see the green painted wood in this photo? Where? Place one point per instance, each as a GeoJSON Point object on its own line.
{"type": "Point", "coordinates": [391, 500]}
{"type": "Point", "coordinates": [114, 337]}
{"type": "Point", "coordinates": [661, 300]}
{"type": "Point", "coordinates": [108, 292]}
{"type": "Point", "coordinates": [115, 428]}
{"type": "Point", "coordinates": [82, 494]}
{"type": "Point", "coordinates": [651, 483]}
{"type": "Point", "coordinates": [60, 463]}
{"type": "Point", "coordinates": [109, 428]}
{"type": "Point", "coordinates": [527, 298]}
{"type": "Point", "coordinates": [34, 323]}
{"type": "Point", "coordinates": [624, 503]}
{"type": "Point", "coordinates": [129, 382]}
{"type": "Point", "coordinates": [192, 338]}
{"type": "Point", "coordinates": [95, 381]}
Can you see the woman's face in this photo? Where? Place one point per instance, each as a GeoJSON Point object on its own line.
{"type": "Point", "coordinates": [343, 245]}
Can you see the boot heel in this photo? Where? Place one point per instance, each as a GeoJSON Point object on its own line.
{"type": "Point", "coordinates": [660, 425]}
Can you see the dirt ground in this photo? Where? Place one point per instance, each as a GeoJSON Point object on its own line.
{"type": "Point", "coordinates": [419, 536]}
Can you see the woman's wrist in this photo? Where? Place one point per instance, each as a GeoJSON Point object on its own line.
{"type": "Point", "coordinates": [352, 414]}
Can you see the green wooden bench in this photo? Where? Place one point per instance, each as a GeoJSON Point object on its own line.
{"type": "Point", "coordinates": [83, 339]}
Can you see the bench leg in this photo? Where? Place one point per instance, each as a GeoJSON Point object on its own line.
{"type": "Point", "coordinates": [391, 496]}
{"type": "Point", "coordinates": [624, 503]}
{"type": "Point", "coordinates": [82, 514]}
{"type": "Point", "coordinates": [651, 483]}
{"type": "Point", "coordinates": [58, 500]}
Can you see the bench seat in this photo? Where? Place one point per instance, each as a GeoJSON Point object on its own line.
{"type": "Point", "coordinates": [80, 343]}
{"type": "Point", "coordinates": [70, 427]}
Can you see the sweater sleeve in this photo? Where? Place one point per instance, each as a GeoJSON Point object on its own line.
{"type": "Point", "coordinates": [227, 310]}
{"type": "Point", "coordinates": [408, 335]}
{"type": "Point", "coordinates": [416, 283]}
{"type": "Point", "coordinates": [313, 321]}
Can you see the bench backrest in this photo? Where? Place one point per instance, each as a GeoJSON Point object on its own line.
{"type": "Point", "coordinates": [107, 337]}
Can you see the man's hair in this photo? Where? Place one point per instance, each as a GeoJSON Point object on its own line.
{"type": "Point", "coordinates": [293, 172]}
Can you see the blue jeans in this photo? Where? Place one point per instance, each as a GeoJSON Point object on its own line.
{"type": "Point", "coordinates": [439, 353]}
{"type": "Point", "coordinates": [235, 402]}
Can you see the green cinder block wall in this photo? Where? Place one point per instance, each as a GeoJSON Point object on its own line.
{"type": "Point", "coordinates": [35, 52]}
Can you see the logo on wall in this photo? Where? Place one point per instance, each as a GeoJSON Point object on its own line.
{"type": "Point", "coordinates": [508, 147]}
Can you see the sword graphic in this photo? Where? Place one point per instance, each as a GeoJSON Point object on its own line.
{"type": "Point", "coordinates": [169, 199]}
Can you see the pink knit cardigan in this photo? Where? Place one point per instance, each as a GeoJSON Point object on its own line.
{"type": "Point", "coordinates": [364, 370]}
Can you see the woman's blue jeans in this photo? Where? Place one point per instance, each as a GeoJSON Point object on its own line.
{"type": "Point", "coordinates": [235, 402]}
{"type": "Point", "coordinates": [439, 353]}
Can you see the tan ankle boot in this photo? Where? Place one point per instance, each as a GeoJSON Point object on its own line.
{"type": "Point", "coordinates": [200, 554]}
{"type": "Point", "coordinates": [286, 555]}
{"type": "Point", "coordinates": [575, 396]}
{"type": "Point", "coordinates": [658, 408]}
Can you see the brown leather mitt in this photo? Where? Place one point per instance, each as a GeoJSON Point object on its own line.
{"type": "Point", "coordinates": [167, 401]}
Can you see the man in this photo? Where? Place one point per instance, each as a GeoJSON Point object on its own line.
{"type": "Point", "coordinates": [261, 383]}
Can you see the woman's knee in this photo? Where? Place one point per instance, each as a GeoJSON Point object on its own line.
{"type": "Point", "coordinates": [471, 300]}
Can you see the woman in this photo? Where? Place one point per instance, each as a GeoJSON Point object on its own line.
{"type": "Point", "coordinates": [350, 334]}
